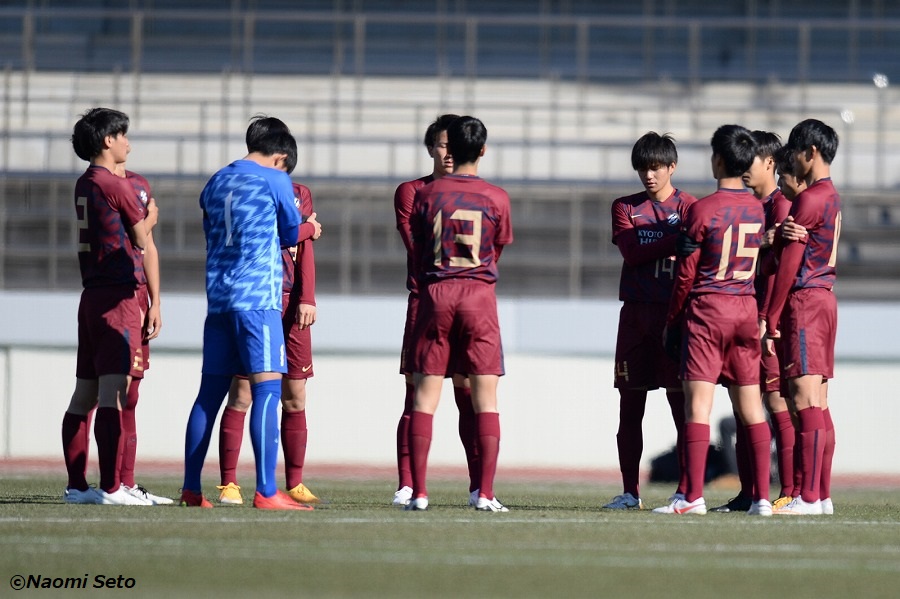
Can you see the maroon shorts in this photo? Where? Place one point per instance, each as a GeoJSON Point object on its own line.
{"type": "Point", "coordinates": [769, 374]}
{"type": "Point", "coordinates": [297, 342]}
{"type": "Point", "coordinates": [412, 305]}
{"type": "Point", "coordinates": [809, 327]}
{"type": "Point", "coordinates": [641, 360]}
{"type": "Point", "coordinates": [110, 332]}
{"type": "Point", "coordinates": [722, 340]}
{"type": "Point", "coordinates": [457, 329]}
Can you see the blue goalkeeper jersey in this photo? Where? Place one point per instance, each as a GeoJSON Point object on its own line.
{"type": "Point", "coordinates": [248, 216]}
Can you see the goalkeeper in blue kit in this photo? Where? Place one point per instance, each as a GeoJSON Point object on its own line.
{"type": "Point", "coordinates": [248, 216]}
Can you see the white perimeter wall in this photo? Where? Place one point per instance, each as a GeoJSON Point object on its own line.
{"type": "Point", "coordinates": [558, 407]}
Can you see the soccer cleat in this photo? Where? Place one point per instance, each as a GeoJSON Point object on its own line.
{"type": "Point", "coordinates": [121, 497]}
{"type": "Point", "coordinates": [741, 503]}
{"type": "Point", "coordinates": [675, 496]}
{"type": "Point", "coordinates": [473, 497]}
{"type": "Point", "coordinates": [230, 494]}
{"type": "Point", "coordinates": [827, 507]}
{"type": "Point", "coordinates": [798, 507]}
{"type": "Point", "coordinates": [683, 506]}
{"type": "Point", "coordinates": [301, 494]}
{"type": "Point", "coordinates": [419, 504]}
{"type": "Point", "coordinates": [781, 502]}
{"type": "Point", "coordinates": [89, 497]}
{"type": "Point", "coordinates": [760, 508]}
{"type": "Point", "coordinates": [402, 496]}
{"type": "Point", "coordinates": [625, 501]}
{"type": "Point", "coordinates": [193, 499]}
{"type": "Point", "coordinates": [142, 493]}
{"type": "Point", "coordinates": [490, 505]}
{"type": "Point", "coordinates": [279, 501]}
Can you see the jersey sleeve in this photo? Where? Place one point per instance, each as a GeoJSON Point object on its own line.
{"type": "Point", "coordinates": [686, 267]}
{"type": "Point", "coordinates": [404, 197]}
{"type": "Point", "coordinates": [121, 198]}
{"type": "Point", "coordinates": [791, 258]}
{"type": "Point", "coordinates": [307, 230]}
{"type": "Point", "coordinates": [287, 215]}
{"type": "Point", "coordinates": [306, 265]}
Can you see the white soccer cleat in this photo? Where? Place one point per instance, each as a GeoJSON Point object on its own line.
{"type": "Point", "coordinates": [76, 497]}
{"type": "Point", "coordinates": [419, 504]}
{"type": "Point", "coordinates": [402, 496]}
{"type": "Point", "coordinates": [798, 507]}
{"type": "Point", "coordinates": [625, 501]}
{"type": "Point", "coordinates": [827, 507]}
{"type": "Point", "coordinates": [473, 497]}
{"type": "Point", "coordinates": [683, 506]}
{"type": "Point", "coordinates": [142, 493]}
{"type": "Point", "coordinates": [490, 505]}
{"type": "Point", "coordinates": [760, 508]}
{"type": "Point", "coordinates": [121, 497]}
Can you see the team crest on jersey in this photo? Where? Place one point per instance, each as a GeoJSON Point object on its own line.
{"type": "Point", "coordinates": [673, 219]}
{"type": "Point", "coordinates": [143, 197]}
{"type": "Point", "coordinates": [297, 202]}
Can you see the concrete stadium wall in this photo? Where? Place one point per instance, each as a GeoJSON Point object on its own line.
{"type": "Point", "coordinates": [557, 402]}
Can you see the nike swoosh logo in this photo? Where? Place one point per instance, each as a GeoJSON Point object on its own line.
{"type": "Point", "coordinates": [306, 368]}
{"type": "Point", "coordinates": [769, 381]}
{"type": "Point", "coordinates": [634, 216]}
{"type": "Point", "coordinates": [788, 366]}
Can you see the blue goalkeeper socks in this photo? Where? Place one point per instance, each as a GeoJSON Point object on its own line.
{"type": "Point", "coordinates": [264, 433]}
{"type": "Point", "coordinates": [213, 389]}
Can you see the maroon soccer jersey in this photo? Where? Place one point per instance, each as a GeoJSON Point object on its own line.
{"type": "Point", "coordinates": [460, 224]}
{"type": "Point", "coordinates": [810, 262]}
{"type": "Point", "coordinates": [728, 224]}
{"type": "Point", "coordinates": [105, 206]}
{"type": "Point", "coordinates": [645, 232]}
{"type": "Point", "coordinates": [818, 208]}
{"type": "Point", "coordinates": [298, 261]}
{"type": "Point", "coordinates": [403, 208]}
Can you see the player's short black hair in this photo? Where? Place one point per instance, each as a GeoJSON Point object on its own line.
{"type": "Point", "coordinates": [466, 137]}
{"type": "Point", "coordinates": [92, 128]}
{"type": "Point", "coordinates": [767, 143]}
{"type": "Point", "coordinates": [440, 124]}
{"type": "Point", "coordinates": [268, 136]}
{"type": "Point", "coordinates": [653, 150]}
{"type": "Point", "coordinates": [735, 146]}
{"type": "Point", "coordinates": [784, 161]}
{"type": "Point", "coordinates": [813, 132]}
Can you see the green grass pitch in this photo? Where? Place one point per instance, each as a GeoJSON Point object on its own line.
{"type": "Point", "coordinates": [554, 542]}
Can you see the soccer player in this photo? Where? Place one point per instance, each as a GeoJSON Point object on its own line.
{"type": "Point", "coordinates": [298, 296]}
{"type": "Point", "coordinates": [112, 235]}
{"type": "Point", "coordinates": [248, 216]}
{"type": "Point", "coordinates": [645, 228]}
{"type": "Point", "coordinates": [802, 314]}
{"type": "Point", "coordinates": [713, 307]}
{"type": "Point", "coordinates": [436, 144]}
{"type": "Point", "coordinates": [460, 225]}
{"type": "Point", "coordinates": [150, 307]}
{"type": "Point", "coordinates": [760, 179]}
